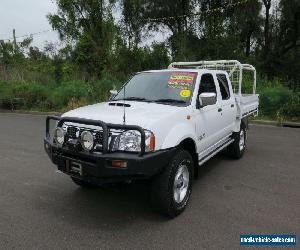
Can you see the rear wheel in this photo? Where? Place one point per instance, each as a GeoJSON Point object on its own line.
{"type": "Point", "coordinates": [172, 188]}
{"type": "Point", "coordinates": [238, 147]}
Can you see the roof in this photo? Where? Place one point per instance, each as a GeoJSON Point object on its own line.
{"type": "Point", "coordinates": [201, 71]}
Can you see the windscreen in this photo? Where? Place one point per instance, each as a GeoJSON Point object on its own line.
{"type": "Point", "coordinates": [170, 87]}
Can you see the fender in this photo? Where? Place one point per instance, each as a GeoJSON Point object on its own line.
{"type": "Point", "coordinates": [179, 133]}
{"type": "Point", "coordinates": [237, 125]}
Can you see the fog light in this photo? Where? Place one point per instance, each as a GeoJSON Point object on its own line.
{"type": "Point", "coordinates": [87, 140]}
{"type": "Point", "coordinates": [59, 135]}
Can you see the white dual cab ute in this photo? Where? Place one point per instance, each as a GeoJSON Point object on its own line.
{"type": "Point", "coordinates": [161, 126]}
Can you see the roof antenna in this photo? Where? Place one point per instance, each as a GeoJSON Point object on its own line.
{"type": "Point", "coordinates": [124, 108]}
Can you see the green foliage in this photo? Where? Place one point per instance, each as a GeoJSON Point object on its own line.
{"type": "Point", "coordinates": [62, 94]}
{"type": "Point", "coordinates": [139, 59]}
{"type": "Point", "coordinates": [102, 87]}
{"type": "Point", "coordinates": [59, 97]}
{"type": "Point", "coordinates": [291, 109]}
{"type": "Point", "coordinates": [273, 96]}
{"type": "Point", "coordinates": [132, 22]}
{"type": "Point", "coordinates": [28, 95]}
{"type": "Point", "coordinates": [272, 99]}
{"type": "Point", "coordinates": [277, 101]}
{"type": "Point", "coordinates": [90, 23]}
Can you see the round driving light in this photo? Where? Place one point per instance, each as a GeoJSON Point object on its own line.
{"type": "Point", "coordinates": [87, 140]}
{"type": "Point", "coordinates": [59, 135]}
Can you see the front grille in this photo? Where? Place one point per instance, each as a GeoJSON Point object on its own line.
{"type": "Point", "coordinates": [99, 137]}
{"type": "Point", "coordinates": [72, 132]}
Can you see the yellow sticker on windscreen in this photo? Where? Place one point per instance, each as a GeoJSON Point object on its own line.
{"type": "Point", "coordinates": [185, 93]}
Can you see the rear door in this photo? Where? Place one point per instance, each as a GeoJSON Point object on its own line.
{"type": "Point", "coordinates": [227, 104]}
{"type": "Point", "coordinates": [208, 118]}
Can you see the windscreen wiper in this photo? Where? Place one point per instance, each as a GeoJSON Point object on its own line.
{"type": "Point", "coordinates": [169, 100]}
{"type": "Point", "coordinates": [132, 98]}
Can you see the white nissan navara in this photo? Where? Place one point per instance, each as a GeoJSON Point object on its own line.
{"type": "Point", "coordinates": [162, 125]}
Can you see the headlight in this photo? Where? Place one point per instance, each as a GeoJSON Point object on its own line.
{"type": "Point", "coordinates": [87, 140]}
{"type": "Point", "coordinates": [59, 135]}
{"type": "Point", "coordinates": [131, 141]}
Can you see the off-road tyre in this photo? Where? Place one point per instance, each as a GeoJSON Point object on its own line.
{"type": "Point", "coordinates": [237, 148]}
{"type": "Point", "coordinates": [163, 185]}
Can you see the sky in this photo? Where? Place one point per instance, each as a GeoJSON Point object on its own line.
{"type": "Point", "coordinates": [27, 17]}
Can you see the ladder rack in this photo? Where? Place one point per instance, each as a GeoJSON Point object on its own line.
{"type": "Point", "coordinates": [234, 69]}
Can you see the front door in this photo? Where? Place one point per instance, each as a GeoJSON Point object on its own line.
{"type": "Point", "coordinates": [208, 118]}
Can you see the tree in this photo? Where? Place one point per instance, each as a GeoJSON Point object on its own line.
{"type": "Point", "coordinates": [89, 24]}
{"type": "Point", "coordinates": [12, 52]}
{"type": "Point", "coordinates": [132, 23]}
{"type": "Point", "coordinates": [267, 4]}
{"type": "Point", "coordinates": [286, 53]}
{"type": "Point", "coordinates": [6, 53]}
{"type": "Point", "coordinates": [289, 25]}
{"type": "Point", "coordinates": [245, 22]}
{"type": "Point", "coordinates": [177, 22]}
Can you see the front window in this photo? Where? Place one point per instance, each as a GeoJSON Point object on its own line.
{"type": "Point", "coordinates": [167, 87]}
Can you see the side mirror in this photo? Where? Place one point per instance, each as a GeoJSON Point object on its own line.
{"type": "Point", "coordinates": [207, 98]}
{"type": "Point", "coordinates": [113, 93]}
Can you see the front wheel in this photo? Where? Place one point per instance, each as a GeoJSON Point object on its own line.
{"type": "Point", "coordinates": [172, 188]}
{"type": "Point", "coordinates": [238, 147]}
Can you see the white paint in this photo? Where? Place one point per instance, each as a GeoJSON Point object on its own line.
{"type": "Point", "coordinates": [207, 127]}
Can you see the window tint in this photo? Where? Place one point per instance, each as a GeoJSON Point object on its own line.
{"type": "Point", "coordinates": [207, 84]}
{"type": "Point", "coordinates": [224, 88]}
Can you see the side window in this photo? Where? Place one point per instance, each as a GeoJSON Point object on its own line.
{"type": "Point", "coordinates": [207, 84]}
{"type": "Point", "coordinates": [224, 88]}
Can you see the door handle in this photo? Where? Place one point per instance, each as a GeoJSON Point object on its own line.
{"type": "Point", "coordinates": [219, 110]}
{"type": "Point", "coordinates": [232, 105]}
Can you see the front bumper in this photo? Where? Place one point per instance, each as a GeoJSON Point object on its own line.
{"type": "Point", "coordinates": [97, 168]}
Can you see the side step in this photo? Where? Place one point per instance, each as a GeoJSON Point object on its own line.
{"type": "Point", "coordinates": [215, 151]}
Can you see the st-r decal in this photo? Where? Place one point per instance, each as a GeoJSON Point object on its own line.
{"type": "Point", "coordinates": [201, 137]}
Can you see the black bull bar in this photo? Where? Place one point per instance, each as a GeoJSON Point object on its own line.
{"type": "Point", "coordinates": [105, 127]}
